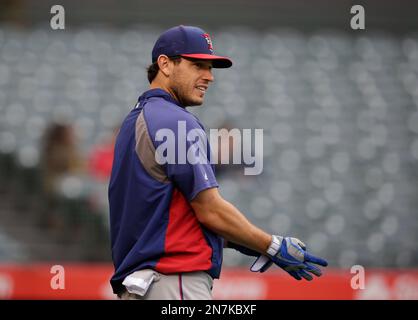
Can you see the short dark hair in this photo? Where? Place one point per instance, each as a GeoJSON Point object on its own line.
{"type": "Point", "coordinates": [153, 69]}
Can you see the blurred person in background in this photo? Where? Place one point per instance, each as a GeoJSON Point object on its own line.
{"type": "Point", "coordinates": [226, 148]}
{"type": "Point", "coordinates": [99, 165]}
{"type": "Point", "coordinates": [101, 158]}
{"type": "Point", "coordinates": [60, 158]}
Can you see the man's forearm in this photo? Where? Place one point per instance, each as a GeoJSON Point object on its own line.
{"type": "Point", "coordinates": [226, 220]}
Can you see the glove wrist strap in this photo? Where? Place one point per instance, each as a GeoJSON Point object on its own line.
{"type": "Point", "coordinates": [274, 246]}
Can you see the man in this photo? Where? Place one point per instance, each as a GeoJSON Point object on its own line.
{"type": "Point", "coordinates": [168, 220]}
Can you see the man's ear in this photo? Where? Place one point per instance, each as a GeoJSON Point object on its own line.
{"type": "Point", "coordinates": [164, 64]}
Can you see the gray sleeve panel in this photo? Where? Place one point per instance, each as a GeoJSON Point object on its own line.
{"type": "Point", "coordinates": [146, 151]}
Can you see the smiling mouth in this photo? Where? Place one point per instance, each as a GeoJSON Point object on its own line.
{"type": "Point", "coordinates": [202, 88]}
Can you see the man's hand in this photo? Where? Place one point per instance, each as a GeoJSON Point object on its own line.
{"type": "Point", "coordinates": [290, 254]}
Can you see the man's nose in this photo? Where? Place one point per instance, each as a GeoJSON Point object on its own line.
{"type": "Point", "coordinates": [208, 75]}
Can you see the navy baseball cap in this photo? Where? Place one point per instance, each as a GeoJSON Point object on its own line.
{"type": "Point", "coordinates": [189, 42]}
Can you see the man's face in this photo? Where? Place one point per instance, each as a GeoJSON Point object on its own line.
{"type": "Point", "coordinates": [190, 79]}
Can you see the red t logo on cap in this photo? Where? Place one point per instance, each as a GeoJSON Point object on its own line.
{"type": "Point", "coordinates": [209, 41]}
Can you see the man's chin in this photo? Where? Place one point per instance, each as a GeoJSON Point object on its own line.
{"type": "Point", "coordinates": [195, 102]}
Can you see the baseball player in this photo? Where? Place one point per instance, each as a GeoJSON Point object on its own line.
{"type": "Point", "coordinates": [169, 224]}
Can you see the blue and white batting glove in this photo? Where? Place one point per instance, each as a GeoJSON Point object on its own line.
{"type": "Point", "coordinates": [290, 254]}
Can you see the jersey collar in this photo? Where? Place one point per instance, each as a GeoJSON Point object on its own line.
{"type": "Point", "coordinates": [160, 93]}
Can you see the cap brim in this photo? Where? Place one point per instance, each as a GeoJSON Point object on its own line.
{"type": "Point", "coordinates": [217, 61]}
